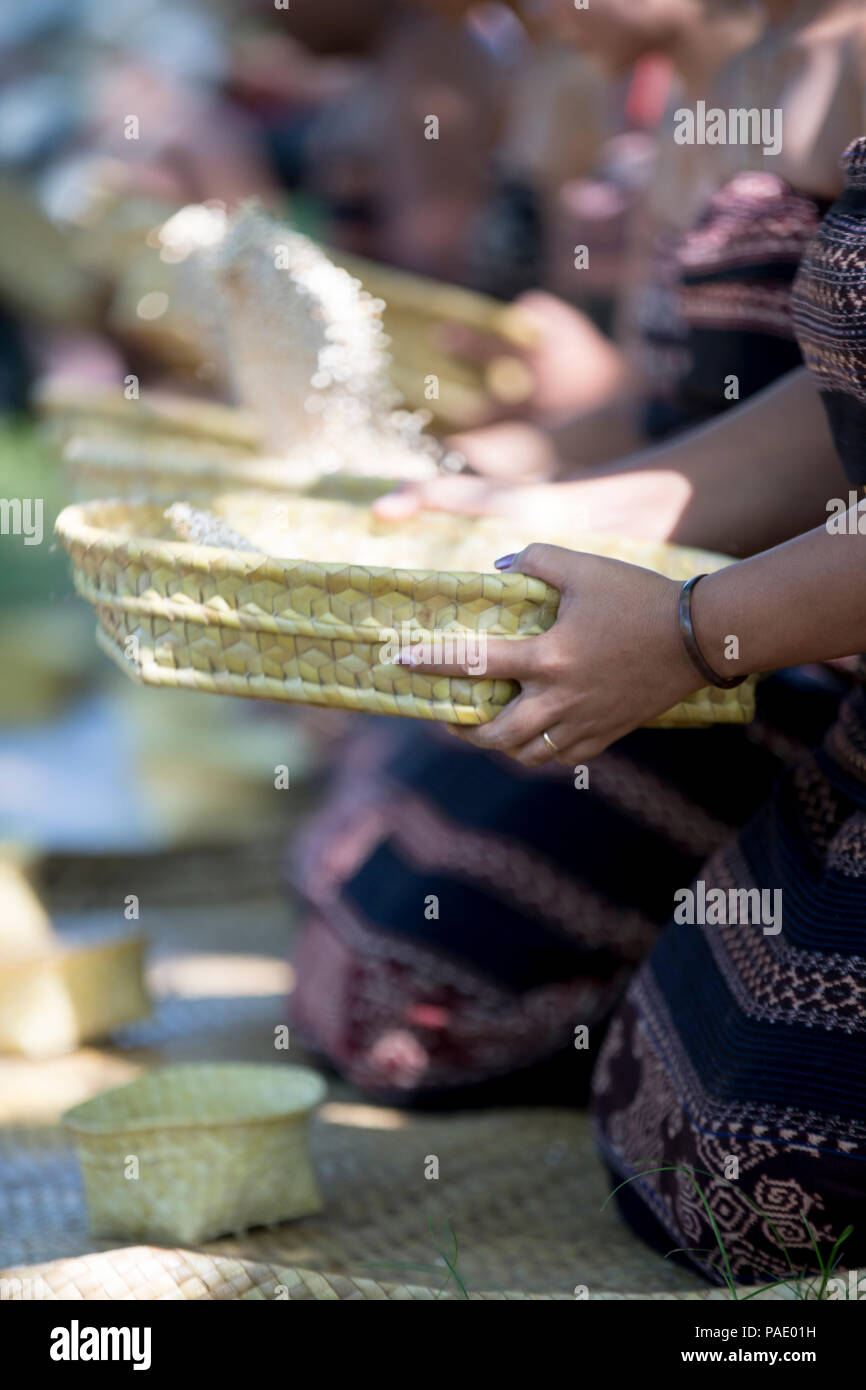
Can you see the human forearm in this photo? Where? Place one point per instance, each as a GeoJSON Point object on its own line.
{"type": "Point", "coordinates": [802, 601]}
{"type": "Point", "coordinates": [615, 660]}
{"type": "Point", "coordinates": [756, 476]}
{"type": "Point", "coordinates": [608, 432]}
{"type": "Point", "coordinates": [752, 478]}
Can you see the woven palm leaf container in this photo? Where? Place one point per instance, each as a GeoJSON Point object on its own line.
{"type": "Point", "coordinates": [165, 467]}
{"type": "Point", "coordinates": [416, 308]}
{"type": "Point", "coordinates": [229, 610]}
{"type": "Point", "coordinates": [168, 446]}
{"type": "Point", "coordinates": [74, 408]}
{"type": "Point", "coordinates": [186, 1153]}
{"type": "Point", "coordinates": [55, 998]}
{"type": "Point", "coordinates": [115, 463]}
{"type": "Point", "coordinates": [156, 444]}
{"type": "Point", "coordinates": [148, 250]}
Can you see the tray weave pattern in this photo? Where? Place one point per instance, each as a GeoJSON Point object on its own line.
{"type": "Point", "coordinates": [237, 622]}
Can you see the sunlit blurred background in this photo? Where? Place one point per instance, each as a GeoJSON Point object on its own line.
{"type": "Point", "coordinates": [127, 129]}
{"type": "Point", "coordinates": [114, 116]}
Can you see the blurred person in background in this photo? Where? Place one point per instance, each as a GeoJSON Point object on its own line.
{"type": "Point", "coordinates": [400, 162]}
{"type": "Point", "coordinates": [123, 103]}
{"type": "Point", "coordinates": [518, 114]}
{"type": "Point", "coordinates": [546, 898]}
{"type": "Point", "coordinates": [807, 62]}
{"type": "Point", "coordinates": [637, 196]}
{"type": "Point", "coordinates": [728, 1097]}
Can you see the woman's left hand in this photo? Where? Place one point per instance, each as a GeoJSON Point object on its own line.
{"type": "Point", "coordinates": [612, 660]}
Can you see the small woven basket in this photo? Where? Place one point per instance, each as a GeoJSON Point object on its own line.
{"type": "Point", "coordinates": [57, 997]}
{"type": "Point", "coordinates": [186, 1153]}
{"type": "Point", "coordinates": [244, 622]}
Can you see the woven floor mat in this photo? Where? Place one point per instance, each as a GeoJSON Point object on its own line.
{"type": "Point", "coordinates": [522, 1190]}
{"type": "Point", "coordinates": [145, 1273]}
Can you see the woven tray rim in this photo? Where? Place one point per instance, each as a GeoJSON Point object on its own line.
{"type": "Point", "coordinates": [73, 526]}
{"type": "Point", "coordinates": [154, 412]}
{"type": "Point", "coordinates": [76, 1119]}
{"type": "Point", "coordinates": [163, 476]}
{"type": "Point", "coordinates": [194, 587]}
{"type": "Point", "coordinates": [427, 297]}
{"type": "Point", "coordinates": [247, 471]}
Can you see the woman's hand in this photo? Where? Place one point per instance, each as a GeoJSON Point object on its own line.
{"type": "Point", "coordinates": [511, 452]}
{"type": "Point", "coordinates": [644, 504]}
{"type": "Point", "coordinates": [466, 495]}
{"type": "Point", "coordinates": [612, 661]}
{"type": "Point", "coordinates": [570, 366]}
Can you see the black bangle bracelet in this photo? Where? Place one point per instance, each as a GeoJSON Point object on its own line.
{"type": "Point", "coordinates": [690, 641]}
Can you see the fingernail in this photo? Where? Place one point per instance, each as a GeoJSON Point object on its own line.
{"type": "Point", "coordinates": [505, 561]}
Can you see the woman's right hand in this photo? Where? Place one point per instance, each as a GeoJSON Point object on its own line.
{"type": "Point", "coordinates": [643, 504]}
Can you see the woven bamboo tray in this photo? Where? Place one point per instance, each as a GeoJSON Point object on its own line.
{"type": "Point", "coordinates": [166, 446]}
{"type": "Point", "coordinates": [165, 467]}
{"type": "Point", "coordinates": [58, 996]}
{"type": "Point", "coordinates": [218, 1148]}
{"type": "Point", "coordinates": [416, 308]}
{"type": "Point", "coordinates": [115, 463]}
{"type": "Point", "coordinates": [101, 464]}
{"type": "Point", "coordinates": [71, 408]}
{"type": "Point", "coordinates": [246, 621]}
